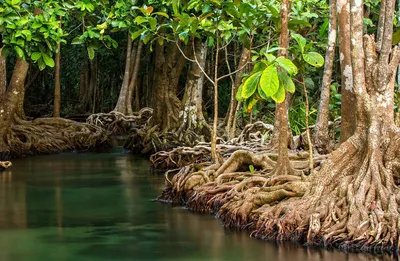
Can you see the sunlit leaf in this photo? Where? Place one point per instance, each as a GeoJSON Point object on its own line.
{"type": "Point", "coordinates": [269, 81]}
{"type": "Point", "coordinates": [286, 82]}
{"type": "Point", "coordinates": [279, 95]}
{"type": "Point", "coordinates": [314, 59]}
{"type": "Point", "coordinates": [250, 85]}
{"type": "Point", "coordinates": [287, 64]}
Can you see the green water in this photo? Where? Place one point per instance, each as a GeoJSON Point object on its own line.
{"type": "Point", "coordinates": [95, 207]}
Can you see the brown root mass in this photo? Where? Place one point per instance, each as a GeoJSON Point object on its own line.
{"type": "Point", "coordinates": [120, 124]}
{"type": "Point", "coordinates": [351, 202]}
{"type": "Point", "coordinates": [53, 135]}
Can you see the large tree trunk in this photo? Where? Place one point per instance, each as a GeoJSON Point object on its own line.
{"type": "Point", "coordinates": [348, 99]}
{"type": "Point", "coordinates": [169, 64]}
{"type": "Point", "coordinates": [321, 137]}
{"type": "Point", "coordinates": [133, 85]}
{"type": "Point", "coordinates": [231, 115]}
{"type": "Point", "coordinates": [9, 104]}
{"type": "Point", "coordinates": [122, 103]}
{"type": "Point", "coordinates": [3, 75]}
{"type": "Point", "coordinates": [191, 116]}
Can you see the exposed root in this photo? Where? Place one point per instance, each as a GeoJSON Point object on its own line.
{"type": "Point", "coordinates": [53, 135]}
{"type": "Point", "coordinates": [5, 164]}
{"type": "Point", "coordinates": [120, 124]}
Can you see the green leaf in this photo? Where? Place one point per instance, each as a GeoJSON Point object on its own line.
{"type": "Point", "coordinates": [262, 94]}
{"type": "Point", "coordinates": [286, 82]}
{"type": "Point", "coordinates": [287, 64]}
{"type": "Point", "coordinates": [36, 24]}
{"type": "Point", "coordinates": [396, 37]}
{"type": "Point", "coordinates": [250, 85]}
{"type": "Point", "coordinates": [48, 60]}
{"type": "Point", "coordinates": [140, 19]}
{"type": "Point", "coordinates": [153, 23]}
{"type": "Point", "coordinates": [314, 59]}
{"type": "Point", "coordinates": [279, 95]}
{"type": "Point", "coordinates": [269, 81]}
{"type": "Point", "coordinates": [41, 64]}
{"type": "Point", "coordinates": [251, 168]}
{"type": "Point", "coordinates": [19, 51]}
{"type": "Point", "coordinates": [239, 97]}
{"type": "Point", "coordinates": [301, 41]}
{"type": "Point", "coordinates": [36, 56]}
{"type": "Point", "coordinates": [90, 51]}
{"type": "Point", "coordinates": [237, 2]}
{"type": "Point", "coordinates": [162, 14]}
{"type": "Point", "coordinates": [77, 40]}
{"type": "Point", "coordinates": [136, 34]}
{"type": "Point", "coordinates": [249, 104]}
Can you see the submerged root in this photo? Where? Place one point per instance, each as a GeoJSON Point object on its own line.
{"type": "Point", "coordinates": [4, 165]}
{"type": "Point", "coordinates": [53, 135]}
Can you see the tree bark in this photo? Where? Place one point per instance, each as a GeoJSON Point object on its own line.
{"type": "Point", "coordinates": [134, 76]}
{"type": "Point", "coordinates": [348, 99]}
{"type": "Point", "coordinates": [57, 86]}
{"type": "Point", "coordinates": [191, 115]}
{"type": "Point", "coordinates": [3, 75]}
{"type": "Point", "coordinates": [230, 126]}
{"type": "Point", "coordinates": [123, 95]}
{"type": "Point", "coordinates": [169, 64]}
{"type": "Point", "coordinates": [321, 137]}
{"type": "Point", "coordinates": [9, 104]}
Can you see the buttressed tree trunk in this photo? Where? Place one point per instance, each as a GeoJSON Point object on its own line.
{"type": "Point", "coordinates": [348, 99]}
{"type": "Point", "coordinates": [321, 137]}
{"type": "Point", "coordinates": [169, 64]}
{"type": "Point", "coordinates": [122, 103]}
{"type": "Point", "coordinates": [133, 85]}
{"type": "Point", "coordinates": [191, 116]}
{"type": "Point", "coordinates": [10, 102]}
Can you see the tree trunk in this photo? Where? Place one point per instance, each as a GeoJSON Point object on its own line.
{"type": "Point", "coordinates": [134, 76]}
{"type": "Point", "coordinates": [169, 64]}
{"type": "Point", "coordinates": [191, 115]}
{"type": "Point", "coordinates": [283, 166]}
{"type": "Point", "coordinates": [9, 104]}
{"type": "Point", "coordinates": [348, 99]}
{"type": "Point", "coordinates": [230, 127]}
{"type": "Point", "coordinates": [3, 75]}
{"type": "Point", "coordinates": [122, 103]}
{"type": "Point", "coordinates": [57, 86]}
{"type": "Point", "coordinates": [321, 137]}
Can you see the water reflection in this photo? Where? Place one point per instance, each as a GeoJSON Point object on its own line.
{"type": "Point", "coordinates": [99, 207]}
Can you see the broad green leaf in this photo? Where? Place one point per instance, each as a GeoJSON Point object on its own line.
{"type": "Point", "coordinates": [48, 60]}
{"type": "Point", "coordinates": [249, 104]}
{"type": "Point", "coordinates": [19, 51]}
{"type": "Point", "coordinates": [77, 40]}
{"type": "Point", "coordinates": [286, 82]}
{"type": "Point", "coordinates": [41, 64]}
{"type": "Point", "coordinates": [301, 41]}
{"type": "Point", "coordinates": [175, 6]}
{"type": "Point", "coordinates": [279, 95]}
{"type": "Point", "coordinates": [262, 94]}
{"type": "Point", "coordinates": [287, 64]}
{"type": "Point", "coordinates": [314, 59]}
{"type": "Point", "coordinates": [36, 56]}
{"type": "Point", "coordinates": [250, 85]}
{"type": "Point", "coordinates": [140, 19]}
{"type": "Point", "coordinates": [90, 51]}
{"type": "Point", "coordinates": [36, 24]}
{"type": "Point", "coordinates": [239, 97]}
{"type": "Point", "coordinates": [153, 23]}
{"type": "Point", "coordinates": [269, 81]}
{"type": "Point", "coordinates": [162, 14]}
{"type": "Point", "coordinates": [136, 34]}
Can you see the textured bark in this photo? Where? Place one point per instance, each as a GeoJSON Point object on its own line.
{"type": "Point", "coordinates": [122, 103]}
{"type": "Point", "coordinates": [57, 87]}
{"type": "Point", "coordinates": [9, 104]}
{"type": "Point", "coordinates": [169, 64]}
{"type": "Point", "coordinates": [321, 137]}
{"type": "Point", "coordinates": [133, 84]}
{"type": "Point", "coordinates": [348, 99]}
{"type": "Point", "coordinates": [283, 165]}
{"type": "Point", "coordinates": [191, 116]}
{"type": "Point", "coordinates": [231, 115]}
{"type": "Point", "coordinates": [3, 75]}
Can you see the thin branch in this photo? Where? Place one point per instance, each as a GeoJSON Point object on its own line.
{"type": "Point", "coordinates": [229, 67]}
{"type": "Point", "coordinates": [234, 72]}
{"type": "Point", "coordinates": [223, 47]}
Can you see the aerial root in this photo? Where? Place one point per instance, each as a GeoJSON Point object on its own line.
{"type": "Point", "coordinates": [52, 135]}
{"type": "Point", "coordinates": [120, 124]}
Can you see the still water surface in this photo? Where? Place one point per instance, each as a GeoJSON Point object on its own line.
{"type": "Point", "coordinates": [86, 206]}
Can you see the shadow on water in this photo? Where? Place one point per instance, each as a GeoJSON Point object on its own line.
{"type": "Point", "coordinates": [99, 207]}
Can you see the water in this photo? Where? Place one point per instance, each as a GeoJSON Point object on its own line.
{"type": "Point", "coordinates": [96, 207]}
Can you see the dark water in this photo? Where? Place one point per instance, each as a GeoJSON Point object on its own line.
{"type": "Point", "coordinates": [99, 207]}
